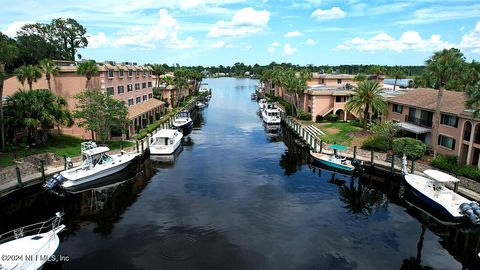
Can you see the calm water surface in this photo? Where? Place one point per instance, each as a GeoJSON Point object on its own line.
{"type": "Point", "coordinates": [238, 199]}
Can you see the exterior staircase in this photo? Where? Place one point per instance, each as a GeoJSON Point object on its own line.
{"type": "Point", "coordinates": [314, 131]}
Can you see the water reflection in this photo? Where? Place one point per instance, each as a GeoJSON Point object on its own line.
{"type": "Point", "coordinates": [360, 199]}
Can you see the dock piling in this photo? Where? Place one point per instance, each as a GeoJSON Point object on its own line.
{"type": "Point", "coordinates": [372, 156]}
{"type": "Point", "coordinates": [413, 166]}
{"type": "Point", "coordinates": [321, 146]}
{"type": "Point", "coordinates": [64, 162]}
{"type": "Point", "coordinates": [392, 167]}
{"type": "Point", "coordinates": [136, 142]}
{"type": "Point", "coordinates": [42, 169]}
{"type": "Point", "coordinates": [19, 177]}
{"type": "Point", "coordinates": [354, 152]}
{"type": "Point", "coordinates": [142, 146]}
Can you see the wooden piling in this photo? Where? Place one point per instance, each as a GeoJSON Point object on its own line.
{"type": "Point", "coordinates": [355, 152]}
{"type": "Point", "coordinates": [372, 160]}
{"type": "Point", "coordinates": [64, 162]}
{"type": "Point", "coordinates": [413, 166]}
{"type": "Point", "coordinates": [392, 167]}
{"type": "Point", "coordinates": [321, 146]}
{"type": "Point", "coordinates": [136, 142]}
{"type": "Point", "coordinates": [42, 169]}
{"type": "Point", "coordinates": [142, 146]}
{"type": "Point", "coordinates": [19, 176]}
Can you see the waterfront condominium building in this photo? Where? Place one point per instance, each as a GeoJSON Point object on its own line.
{"type": "Point", "coordinates": [458, 133]}
{"type": "Point", "coordinates": [128, 82]}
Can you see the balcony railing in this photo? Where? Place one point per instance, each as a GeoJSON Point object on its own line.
{"type": "Point", "coordinates": [419, 121]}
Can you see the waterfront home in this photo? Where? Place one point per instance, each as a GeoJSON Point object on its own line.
{"type": "Point", "coordinates": [459, 132]}
{"type": "Point", "coordinates": [125, 81]}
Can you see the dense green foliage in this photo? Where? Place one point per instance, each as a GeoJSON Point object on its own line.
{"type": "Point", "coordinates": [367, 100]}
{"type": "Point", "coordinates": [332, 117]}
{"type": "Point", "coordinates": [386, 129]}
{"type": "Point", "coordinates": [377, 143]}
{"type": "Point", "coordinates": [450, 164]}
{"type": "Point", "coordinates": [88, 69]}
{"type": "Point", "coordinates": [305, 116]}
{"type": "Point", "coordinates": [412, 148]}
{"type": "Point", "coordinates": [29, 73]}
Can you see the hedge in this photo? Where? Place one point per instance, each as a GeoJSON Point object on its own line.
{"type": "Point", "coordinates": [450, 164]}
{"type": "Point", "coordinates": [376, 143]}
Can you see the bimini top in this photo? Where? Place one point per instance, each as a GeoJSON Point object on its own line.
{"type": "Point", "coordinates": [96, 151]}
{"type": "Point", "coordinates": [441, 176]}
{"type": "Point", "coordinates": [338, 147]}
{"type": "Point", "coordinates": [165, 133]}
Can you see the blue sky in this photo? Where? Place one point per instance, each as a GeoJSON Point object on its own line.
{"type": "Point", "coordinates": [208, 32]}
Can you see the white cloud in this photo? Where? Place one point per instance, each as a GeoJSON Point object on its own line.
{"type": "Point", "coordinates": [96, 41]}
{"type": "Point", "coordinates": [329, 14]}
{"type": "Point", "coordinates": [471, 40]}
{"type": "Point", "coordinates": [271, 50]}
{"type": "Point", "coordinates": [410, 40]}
{"type": "Point", "coordinates": [245, 21]}
{"type": "Point", "coordinates": [219, 44]}
{"type": "Point", "coordinates": [293, 34]}
{"type": "Point", "coordinates": [275, 44]}
{"type": "Point", "coordinates": [310, 42]}
{"type": "Point", "coordinates": [248, 47]}
{"type": "Point", "coordinates": [288, 49]}
{"type": "Point", "coordinates": [11, 29]}
{"type": "Point", "coordinates": [163, 33]}
{"type": "Point", "coordinates": [438, 14]}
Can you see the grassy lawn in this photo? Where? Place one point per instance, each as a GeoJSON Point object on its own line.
{"type": "Point", "coordinates": [337, 132]}
{"type": "Point", "coordinates": [59, 145]}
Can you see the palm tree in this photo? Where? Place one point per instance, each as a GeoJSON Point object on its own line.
{"type": "Point", "coordinates": [360, 200]}
{"type": "Point", "coordinates": [88, 69]}
{"type": "Point", "coordinates": [180, 81]}
{"type": "Point", "coordinates": [442, 67]}
{"type": "Point", "coordinates": [360, 77]}
{"type": "Point", "coordinates": [48, 67]}
{"type": "Point", "coordinates": [473, 99]}
{"type": "Point", "coordinates": [378, 71]}
{"type": "Point", "coordinates": [157, 70]}
{"type": "Point", "coordinates": [367, 99]}
{"type": "Point", "coordinates": [28, 73]}
{"type": "Point", "coordinates": [397, 73]}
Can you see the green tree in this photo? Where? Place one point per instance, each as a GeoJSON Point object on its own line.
{"type": "Point", "coordinates": [378, 71]}
{"type": "Point", "coordinates": [157, 70]}
{"type": "Point", "coordinates": [295, 84]}
{"type": "Point", "coordinates": [473, 99]}
{"type": "Point", "coordinates": [100, 113]}
{"type": "Point", "coordinates": [442, 67]}
{"type": "Point", "coordinates": [360, 77]}
{"type": "Point", "coordinates": [180, 81]}
{"type": "Point", "coordinates": [8, 53]}
{"type": "Point", "coordinates": [367, 100]}
{"type": "Point", "coordinates": [88, 69]}
{"type": "Point", "coordinates": [48, 67]}
{"type": "Point", "coordinates": [397, 73]}
{"type": "Point", "coordinates": [36, 111]}
{"type": "Point", "coordinates": [28, 73]}
{"type": "Point", "coordinates": [34, 47]}
{"type": "Point", "coordinates": [385, 129]}
{"type": "Point", "coordinates": [412, 148]}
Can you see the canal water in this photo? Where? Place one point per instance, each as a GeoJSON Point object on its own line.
{"type": "Point", "coordinates": [237, 198]}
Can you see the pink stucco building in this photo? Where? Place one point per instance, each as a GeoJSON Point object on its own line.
{"type": "Point", "coordinates": [128, 82]}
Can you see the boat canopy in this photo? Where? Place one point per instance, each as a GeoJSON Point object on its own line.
{"type": "Point", "coordinates": [441, 176]}
{"type": "Point", "coordinates": [165, 133]}
{"type": "Point", "coordinates": [338, 147]}
{"type": "Point", "coordinates": [95, 151]}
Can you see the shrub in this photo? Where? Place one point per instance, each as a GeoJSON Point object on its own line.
{"type": "Point", "coordinates": [332, 118]}
{"type": "Point", "coordinates": [412, 148]}
{"type": "Point", "coordinates": [304, 116]}
{"type": "Point", "coordinates": [318, 118]}
{"type": "Point", "coordinates": [449, 164]}
{"type": "Point", "coordinates": [376, 143]}
{"type": "Point", "coordinates": [357, 123]}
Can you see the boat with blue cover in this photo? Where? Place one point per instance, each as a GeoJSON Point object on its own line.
{"type": "Point", "coordinates": [335, 161]}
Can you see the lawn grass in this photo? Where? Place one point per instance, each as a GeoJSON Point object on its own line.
{"type": "Point", "coordinates": [339, 137]}
{"type": "Point", "coordinates": [59, 145]}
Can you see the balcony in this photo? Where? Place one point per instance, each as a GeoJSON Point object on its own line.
{"type": "Point", "coordinates": [418, 121]}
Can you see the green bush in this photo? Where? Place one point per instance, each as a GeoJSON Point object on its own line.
{"type": "Point", "coordinates": [332, 118]}
{"type": "Point", "coordinates": [376, 143]}
{"type": "Point", "coordinates": [449, 164]}
{"type": "Point", "coordinates": [412, 148]}
{"type": "Point", "coordinates": [357, 123]}
{"type": "Point", "coordinates": [304, 116]}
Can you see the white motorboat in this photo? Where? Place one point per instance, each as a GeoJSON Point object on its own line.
{"type": "Point", "coordinates": [262, 104]}
{"type": "Point", "coordinates": [335, 161]}
{"type": "Point", "coordinates": [204, 88]}
{"type": "Point", "coordinates": [432, 190]}
{"type": "Point", "coordinates": [96, 164]}
{"type": "Point", "coordinates": [271, 116]}
{"type": "Point", "coordinates": [183, 122]}
{"type": "Point", "coordinates": [165, 142]}
{"type": "Point", "coordinates": [31, 246]}
{"type": "Point", "coordinates": [200, 105]}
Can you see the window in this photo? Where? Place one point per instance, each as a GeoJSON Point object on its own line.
{"type": "Point", "coordinates": [120, 73]}
{"type": "Point", "coordinates": [447, 142]}
{"type": "Point", "coordinates": [309, 109]}
{"type": "Point", "coordinates": [120, 89]}
{"type": "Point", "coordinates": [110, 73]}
{"type": "Point", "coordinates": [144, 85]}
{"type": "Point", "coordinates": [339, 81]}
{"type": "Point", "coordinates": [130, 73]}
{"type": "Point", "coordinates": [137, 100]}
{"type": "Point", "coordinates": [449, 120]}
{"type": "Point", "coordinates": [138, 73]}
{"type": "Point", "coordinates": [149, 84]}
{"type": "Point", "coordinates": [137, 86]}
{"type": "Point", "coordinates": [145, 97]}
{"type": "Point", "coordinates": [150, 96]}
{"type": "Point", "coordinates": [130, 102]}
{"type": "Point", "coordinates": [110, 91]}
{"type": "Point", "coordinates": [397, 108]}
{"type": "Point", "coordinates": [144, 73]}
{"type": "Point", "coordinates": [129, 87]}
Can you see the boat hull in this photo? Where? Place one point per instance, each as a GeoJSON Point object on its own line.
{"type": "Point", "coordinates": [332, 165]}
{"type": "Point", "coordinates": [164, 149]}
{"type": "Point", "coordinates": [185, 128]}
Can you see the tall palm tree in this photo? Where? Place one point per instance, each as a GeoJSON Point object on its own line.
{"type": "Point", "coordinates": [397, 73]}
{"type": "Point", "coordinates": [88, 69]}
{"type": "Point", "coordinates": [48, 67]}
{"type": "Point", "coordinates": [367, 99]}
{"type": "Point", "coordinates": [28, 73]}
{"type": "Point", "coordinates": [157, 70]}
{"type": "Point", "coordinates": [442, 67]}
{"type": "Point", "coordinates": [360, 199]}
{"type": "Point", "coordinates": [378, 71]}
{"type": "Point", "coordinates": [180, 81]}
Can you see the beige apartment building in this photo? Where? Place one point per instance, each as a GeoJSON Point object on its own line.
{"type": "Point", "coordinates": [128, 82]}
{"type": "Point", "coordinates": [459, 132]}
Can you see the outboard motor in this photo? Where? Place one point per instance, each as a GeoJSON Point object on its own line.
{"type": "Point", "coordinates": [471, 211]}
{"type": "Point", "coordinates": [356, 163]}
{"type": "Point", "coordinates": [54, 181]}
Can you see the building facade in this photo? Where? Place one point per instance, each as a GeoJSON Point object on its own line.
{"type": "Point", "coordinates": [458, 133]}
{"type": "Point", "coordinates": [128, 82]}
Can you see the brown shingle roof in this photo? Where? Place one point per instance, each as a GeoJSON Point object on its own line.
{"type": "Point", "coordinates": [144, 107]}
{"type": "Point", "coordinates": [425, 98]}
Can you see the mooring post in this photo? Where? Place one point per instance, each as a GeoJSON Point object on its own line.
{"type": "Point", "coordinates": [19, 177]}
{"type": "Point", "coordinates": [392, 167]}
{"type": "Point", "coordinates": [321, 146]}
{"type": "Point", "coordinates": [413, 166]}
{"type": "Point", "coordinates": [455, 187]}
{"type": "Point", "coordinates": [372, 156]}
{"type": "Point", "coordinates": [148, 141]}
{"type": "Point", "coordinates": [64, 162]}
{"type": "Point", "coordinates": [355, 152]}
{"type": "Point", "coordinates": [142, 146]}
{"type": "Point", "coordinates": [42, 169]}
{"type": "Point", "coordinates": [136, 142]}
{"type": "Point", "coordinates": [315, 145]}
